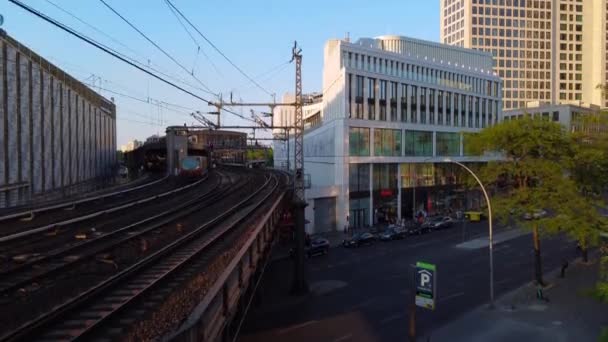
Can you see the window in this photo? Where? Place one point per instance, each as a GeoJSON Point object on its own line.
{"type": "Point", "coordinates": [387, 142]}
{"type": "Point", "coordinates": [413, 104]}
{"type": "Point", "coordinates": [393, 101]}
{"type": "Point", "coordinates": [448, 144]}
{"type": "Point", "coordinates": [422, 105]}
{"type": "Point", "coordinates": [358, 180]}
{"type": "Point", "coordinates": [385, 178]}
{"type": "Point", "coordinates": [440, 107]}
{"type": "Point", "coordinates": [418, 143]}
{"type": "Point", "coordinates": [555, 116]}
{"type": "Point", "coordinates": [371, 98]}
{"type": "Point", "coordinates": [359, 141]}
{"type": "Point", "coordinates": [383, 90]}
{"type": "Point", "coordinates": [432, 106]}
{"type": "Point", "coordinates": [448, 108]}
{"type": "Point", "coordinates": [404, 102]}
{"type": "Point", "coordinates": [359, 98]}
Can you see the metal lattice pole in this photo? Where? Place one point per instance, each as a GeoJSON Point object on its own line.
{"type": "Point", "coordinates": [299, 128]}
{"type": "Point", "coordinates": [300, 285]}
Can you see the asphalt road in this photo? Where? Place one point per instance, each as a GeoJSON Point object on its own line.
{"type": "Point", "coordinates": [363, 294]}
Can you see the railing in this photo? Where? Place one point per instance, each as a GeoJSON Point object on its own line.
{"type": "Point", "coordinates": [225, 299]}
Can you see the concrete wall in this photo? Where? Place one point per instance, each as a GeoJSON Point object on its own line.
{"type": "Point", "coordinates": [54, 131]}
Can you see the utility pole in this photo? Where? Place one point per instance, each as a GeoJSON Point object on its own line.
{"type": "Point", "coordinates": [300, 284]}
{"type": "Point", "coordinates": [299, 127]}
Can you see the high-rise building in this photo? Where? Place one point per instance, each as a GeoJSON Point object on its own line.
{"type": "Point", "coordinates": [376, 139]}
{"type": "Point", "coordinates": [552, 51]}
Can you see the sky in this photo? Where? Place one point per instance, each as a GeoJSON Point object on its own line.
{"type": "Point", "coordinates": [255, 35]}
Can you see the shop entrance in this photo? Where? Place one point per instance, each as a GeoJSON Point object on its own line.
{"type": "Point", "coordinates": [358, 218]}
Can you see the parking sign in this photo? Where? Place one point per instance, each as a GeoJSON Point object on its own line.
{"type": "Point", "coordinates": [426, 275]}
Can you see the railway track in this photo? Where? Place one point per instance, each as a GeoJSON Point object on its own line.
{"type": "Point", "coordinates": [93, 210]}
{"type": "Point", "coordinates": [31, 212]}
{"type": "Point", "coordinates": [58, 260]}
{"type": "Point", "coordinates": [59, 263]}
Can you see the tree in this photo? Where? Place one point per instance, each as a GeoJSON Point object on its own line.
{"type": "Point", "coordinates": [589, 164]}
{"type": "Point", "coordinates": [590, 160]}
{"type": "Point", "coordinates": [532, 176]}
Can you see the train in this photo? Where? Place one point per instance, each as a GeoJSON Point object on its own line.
{"type": "Point", "coordinates": [193, 167]}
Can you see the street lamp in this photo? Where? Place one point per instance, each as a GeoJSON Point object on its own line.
{"type": "Point", "coordinates": [485, 193]}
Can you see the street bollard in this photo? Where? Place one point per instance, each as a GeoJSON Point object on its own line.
{"type": "Point", "coordinates": [564, 267]}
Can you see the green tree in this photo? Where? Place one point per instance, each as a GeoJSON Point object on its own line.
{"type": "Point", "coordinates": [533, 176]}
{"type": "Point", "coordinates": [589, 164]}
{"type": "Point", "coordinates": [590, 160]}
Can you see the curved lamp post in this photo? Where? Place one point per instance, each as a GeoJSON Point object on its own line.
{"type": "Point", "coordinates": [490, 226]}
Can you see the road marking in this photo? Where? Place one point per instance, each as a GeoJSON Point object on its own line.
{"type": "Point", "coordinates": [295, 327]}
{"type": "Point", "coordinates": [458, 294]}
{"type": "Point", "coordinates": [344, 338]}
{"type": "Point", "coordinates": [390, 318]}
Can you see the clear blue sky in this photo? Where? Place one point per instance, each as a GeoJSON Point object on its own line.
{"type": "Point", "coordinates": [256, 35]}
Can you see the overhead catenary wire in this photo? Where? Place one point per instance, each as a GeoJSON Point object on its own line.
{"type": "Point", "coordinates": [208, 90]}
{"type": "Point", "coordinates": [114, 53]}
{"type": "Point", "coordinates": [198, 45]}
{"type": "Point", "coordinates": [102, 47]}
{"type": "Point", "coordinates": [157, 70]}
{"type": "Point", "coordinates": [139, 99]}
{"type": "Point", "coordinates": [217, 49]}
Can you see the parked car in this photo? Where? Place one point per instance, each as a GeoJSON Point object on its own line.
{"type": "Point", "coordinates": [359, 240]}
{"type": "Point", "coordinates": [418, 229]}
{"type": "Point", "coordinates": [316, 246]}
{"type": "Point", "coordinates": [446, 222]}
{"type": "Point", "coordinates": [535, 214]}
{"type": "Point", "coordinates": [393, 233]}
{"type": "Point", "coordinates": [433, 223]}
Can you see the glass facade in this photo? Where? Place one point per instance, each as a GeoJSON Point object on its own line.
{"type": "Point", "coordinates": [385, 192]}
{"type": "Point", "coordinates": [359, 141]}
{"type": "Point", "coordinates": [418, 143]}
{"type": "Point", "coordinates": [359, 203]}
{"type": "Point", "coordinates": [387, 142]}
{"type": "Point", "coordinates": [448, 144]}
{"type": "Point", "coordinates": [435, 189]}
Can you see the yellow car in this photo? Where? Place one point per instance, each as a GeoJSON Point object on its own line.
{"type": "Point", "coordinates": [473, 216]}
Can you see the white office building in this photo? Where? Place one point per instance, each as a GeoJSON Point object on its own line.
{"type": "Point", "coordinates": [569, 115]}
{"type": "Point", "coordinates": [391, 111]}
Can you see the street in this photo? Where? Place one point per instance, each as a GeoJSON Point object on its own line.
{"type": "Point", "coordinates": [363, 294]}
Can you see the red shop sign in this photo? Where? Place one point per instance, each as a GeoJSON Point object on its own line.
{"type": "Point", "coordinates": [386, 193]}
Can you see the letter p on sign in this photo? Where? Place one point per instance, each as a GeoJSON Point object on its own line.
{"type": "Point", "coordinates": [425, 279]}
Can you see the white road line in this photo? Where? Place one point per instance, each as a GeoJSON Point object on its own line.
{"type": "Point", "coordinates": [458, 294]}
{"type": "Point", "coordinates": [295, 327]}
{"type": "Point", "coordinates": [391, 318]}
{"type": "Point", "coordinates": [344, 338]}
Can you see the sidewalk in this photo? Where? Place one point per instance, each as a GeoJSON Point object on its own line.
{"type": "Point", "coordinates": [569, 315]}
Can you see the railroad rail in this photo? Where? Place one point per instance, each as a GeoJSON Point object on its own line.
{"type": "Point", "coordinates": [29, 330]}
{"type": "Point", "coordinates": [58, 260]}
{"type": "Point", "coordinates": [97, 213]}
{"type": "Point", "coordinates": [72, 203]}
{"type": "Point", "coordinates": [231, 293]}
